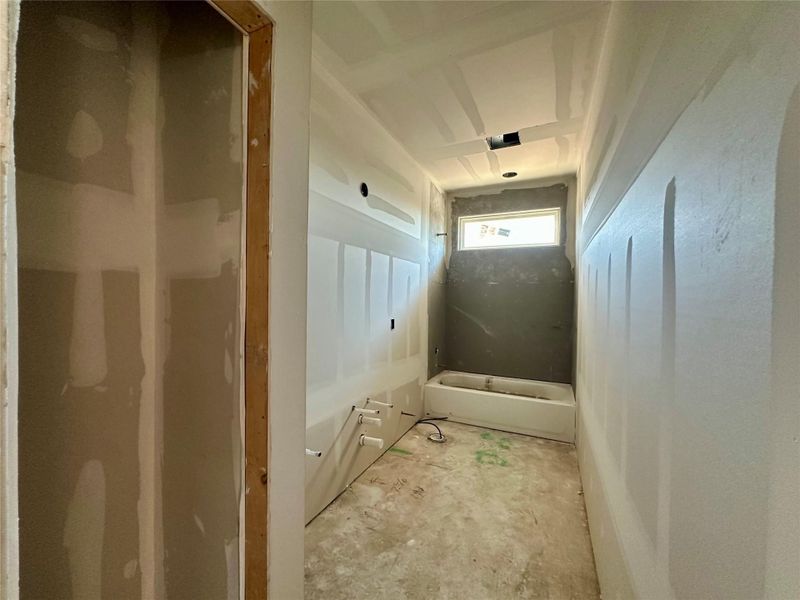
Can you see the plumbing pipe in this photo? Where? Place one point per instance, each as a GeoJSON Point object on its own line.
{"type": "Point", "coordinates": [369, 420]}
{"type": "Point", "coordinates": [366, 411]}
{"type": "Point", "coordinates": [316, 453]}
{"type": "Point", "coordinates": [386, 404]}
{"type": "Point", "coordinates": [365, 440]}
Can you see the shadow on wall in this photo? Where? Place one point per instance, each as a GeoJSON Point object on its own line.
{"type": "Point", "coordinates": [783, 549]}
{"type": "Point", "coordinates": [509, 311]}
{"type": "Point", "coordinates": [437, 283]}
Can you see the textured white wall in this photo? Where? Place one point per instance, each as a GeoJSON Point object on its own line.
{"type": "Point", "coordinates": [291, 63]}
{"type": "Point", "coordinates": [367, 263]}
{"type": "Point", "coordinates": [689, 398]}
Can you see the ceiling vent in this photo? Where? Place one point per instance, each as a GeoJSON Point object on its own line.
{"type": "Point", "coordinates": [505, 140]}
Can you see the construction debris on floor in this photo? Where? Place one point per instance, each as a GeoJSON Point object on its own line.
{"type": "Point", "coordinates": [485, 515]}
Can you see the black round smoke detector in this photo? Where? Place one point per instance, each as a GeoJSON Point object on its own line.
{"type": "Point", "coordinates": [364, 190]}
{"type": "Point", "coordinates": [509, 174]}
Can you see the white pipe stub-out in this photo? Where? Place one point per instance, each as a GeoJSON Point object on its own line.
{"type": "Point", "coordinates": [365, 440]}
{"type": "Point", "coordinates": [386, 404]}
{"type": "Point", "coordinates": [369, 420]}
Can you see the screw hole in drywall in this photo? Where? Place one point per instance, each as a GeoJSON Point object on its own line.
{"type": "Point", "coordinates": [364, 189]}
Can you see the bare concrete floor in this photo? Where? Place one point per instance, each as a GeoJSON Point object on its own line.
{"type": "Point", "coordinates": [486, 515]}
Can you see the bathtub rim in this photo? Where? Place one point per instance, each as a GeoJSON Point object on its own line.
{"type": "Point", "coordinates": [434, 382]}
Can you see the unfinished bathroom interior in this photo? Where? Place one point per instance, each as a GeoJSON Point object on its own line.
{"type": "Point", "coordinates": [564, 230]}
{"type": "Point", "coordinates": [530, 326]}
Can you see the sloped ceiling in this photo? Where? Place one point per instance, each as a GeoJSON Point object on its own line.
{"type": "Point", "coordinates": [443, 75]}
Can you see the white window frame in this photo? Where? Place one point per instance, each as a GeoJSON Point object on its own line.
{"type": "Point", "coordinates": [462, 221]}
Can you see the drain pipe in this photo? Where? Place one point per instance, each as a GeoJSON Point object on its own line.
{"type": "Point", "coordinates": [370, 421]}
{"type": "Point", "coordinates": [365, 440]}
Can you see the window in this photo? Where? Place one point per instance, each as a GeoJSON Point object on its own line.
{"type": "Point", "coordinates": [510, 230]}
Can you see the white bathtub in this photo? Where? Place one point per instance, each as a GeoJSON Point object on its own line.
{"type": "Point", "coordinates": [536, 408]}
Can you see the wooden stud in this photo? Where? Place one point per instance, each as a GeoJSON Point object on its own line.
{"type": "Point", "coordinates": [257, 26]}
{"type": "Point", "coordinates": [245, 14]}
{"type": "Point", "coordinates": [256, 336]}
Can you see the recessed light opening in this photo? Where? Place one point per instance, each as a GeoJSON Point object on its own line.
{"type": "Point", "coordinates": [509, 174]}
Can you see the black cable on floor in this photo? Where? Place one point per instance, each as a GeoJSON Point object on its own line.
{"type": "Point", "coordinates": [438, 429]}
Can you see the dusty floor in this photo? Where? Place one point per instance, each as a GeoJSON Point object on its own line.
{"type": "Point", "coordinates": [485, 515]}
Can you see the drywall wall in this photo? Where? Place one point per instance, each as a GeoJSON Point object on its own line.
{"type": "Point", "coordinates": [289, 182]}
{"type": "Point", "coordinates": [9, 513]}
{"type": "Point", "coordinates": [129, 191]}
{"type": "Point", "coordinates": [438, 219]}
{"type": "Point", "coordinates": [367, 256]}
{"type": "Point", "coordinates": [291, 64]}
{"type": "Point", "coordinates": [510, 310]}
{"type": "Point", "coordinates": [688, 293]}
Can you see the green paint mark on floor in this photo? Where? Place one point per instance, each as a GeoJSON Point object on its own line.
{"type": "Point", "coordinates": [490, 457]}
{"type": "Point", "coordinates": [504, 443]}
{"type": "Point", "coordinates": [397, 450]}
{"type": "Point", "coordinates": [486, 436]}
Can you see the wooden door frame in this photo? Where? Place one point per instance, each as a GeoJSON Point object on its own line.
{"type": "Point", "coordinates": [256, 26]}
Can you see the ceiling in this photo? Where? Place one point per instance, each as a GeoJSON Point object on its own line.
{"type": "Point", "coordinates": [443, 75]}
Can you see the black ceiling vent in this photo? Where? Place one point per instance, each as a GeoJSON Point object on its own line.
{"type": "Point", "coordinates": [505, 140]}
